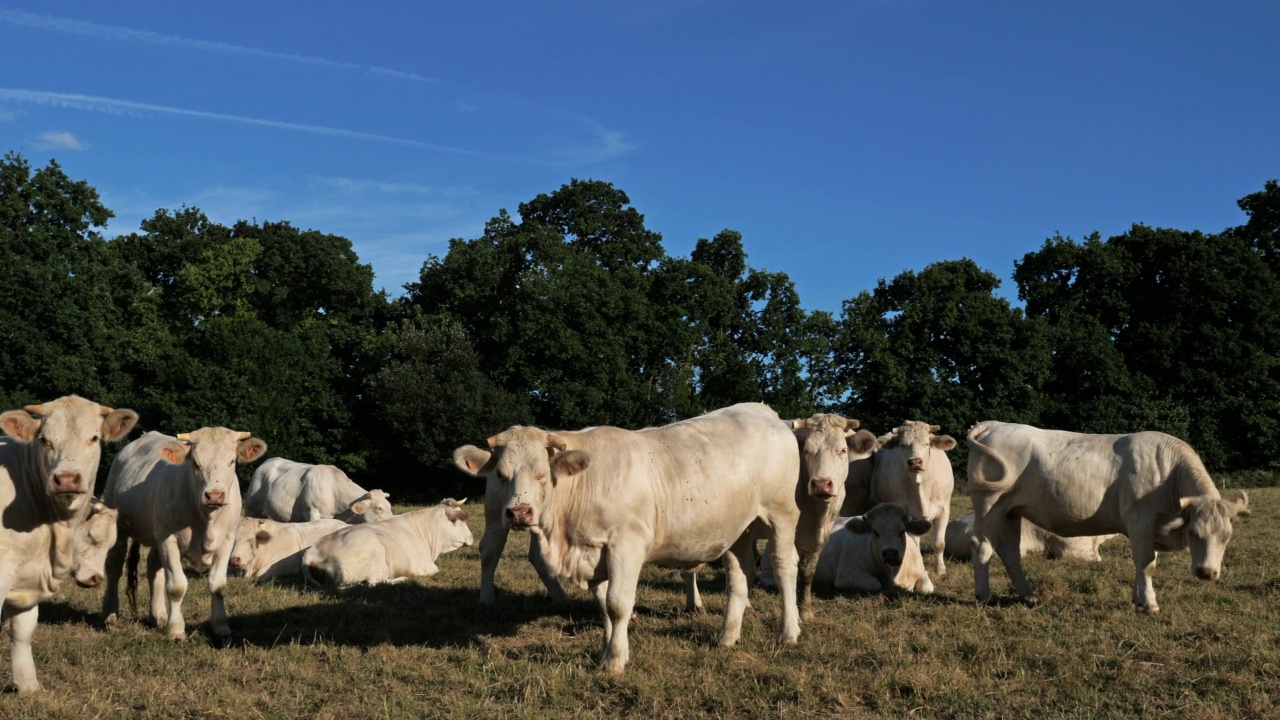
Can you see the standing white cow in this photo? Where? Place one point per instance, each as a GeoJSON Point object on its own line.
{"type": "Point", "coordinates": [290, 491]}
{"type": "Point", "coordinates": [267, 550]}
{"type": "Point", "coordinates": [1148, 486]}
{"type": "Point", "coordinates": [604, 501]}
{"type": "Point", "coordinates": [48, 464]}
{"type": "Point", "coordinates": [876, 551]}
{"type": "Point", "coordinates": [912, 470]}
{"type": "Point", "coordinates": [164, 486]}
{"type": "Point", "coordinates": [1035, 541]}
{"type": "Point", "coordinates": [393, 550]}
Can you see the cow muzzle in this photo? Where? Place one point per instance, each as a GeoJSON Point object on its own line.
{"type": "Point", "coordinates": [1206, 573]}
{"type": "Point", "coordinates": [915, 464]}
{"type": "Point", "coordinates": [520, 517]}
{"type": "Point", "coordinates": [891, 557]}
{"type": "Point", "coordinates": [822, 487]}
{"type": "Point", "coordinates": [68, 483]}
{"type": "Point", "coordinates": [214, 498]}
{"type": "Point", "coordinates": [92, 581]}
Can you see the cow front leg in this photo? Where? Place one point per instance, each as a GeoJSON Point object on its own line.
{"type": "Point", "coordinates": [1144, 564]}
{"type": "Point", "coordinates": [22, 627]}
{"type": "Point", "coordinates": [547, 577]}
{"type": "Point", "coordinates": [940, 540]}
{"type": "Point", "coordinates": [600, 591]}
{"type": "Point", "coordinates": [175, 587]}
{"type": "Point", "coordinates": [739, 557]}
{"type": "Point", "coordinates": [218, 620]}
{"type": "Point", "coordinates": [114, 567]}
{"type": "Point", "coordinates": [620, 599]}
{"type": "Point", "coordinates": [491, 544]}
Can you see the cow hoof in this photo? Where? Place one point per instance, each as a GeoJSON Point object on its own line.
{"type": "Point", "coordinates": [1031, 601]}
{"type": "Point", "coordinates": [110, 620]}
{"type": "Point", "coordinates": [28, 690]}
{"type": "Point", "coordinates": [178, 636]}
{"type": "Point", "coordinates": [1148, 610]}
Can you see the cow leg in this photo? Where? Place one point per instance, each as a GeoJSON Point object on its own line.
{"type": "Point", "coordinates": [805, 568]}
{"type": "Point", "coordinates": [600, 590]}
{"type": "Point", "coordinates": [1144, 564]}
{"type": "Point", "coordinates": [940, 539]}
{"type": "Point", "coordinates": [491, 544]}
{"type": "Point", "coordinates": [175, 586]}
{"type": "Point", "coordinates": [217, 585]}
{"type": "Point", "coordinates": [114, 567]}
{"type": "Point", "coordinates": [1008, 546]}
{"type": "Point", "coordinates": [22, 626]}
{"type": "Point", "coordinates": [548, 578]}
{"type": "Point", "coordinates": [739, 557]}
{"type": "Point", "coordinates": [982, 550]}
{"type": "Point", "coordinates": [155, 581]}
{"type": "Point", "coordinates": [620, 599]}
{"type": "Point", "coordinates": [692, 598]}
{"type": "Point", "coordinates": [784, 569]}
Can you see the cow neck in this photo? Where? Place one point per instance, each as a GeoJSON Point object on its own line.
{"type": "Point", "coordinates": [426, 527]}
{"type": "Point", "coordinates": [1191, 479]}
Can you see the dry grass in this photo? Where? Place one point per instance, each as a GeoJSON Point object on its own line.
{"type": "Point", "coordinates": [426, 650]}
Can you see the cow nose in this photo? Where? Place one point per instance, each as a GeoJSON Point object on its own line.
{"type": "Point", "coordinates": [68, 482]}
{"type": "Point", "coordinates": [215, 497]}
{"type": "Point", "coordinates": [822, 487]}
{"type": "Point", "coordinates": [915, 463]}
{"type": "Point", "coordinates": [891, 557]}
{"type": "Point", "coordinates": [520, 515]}
{"type": "Point", "coordinates": [92, 581]}
{"type": "Point", "coordinates": [1205, 573]}
{"type": "Point", "coordinates": [236, 562]}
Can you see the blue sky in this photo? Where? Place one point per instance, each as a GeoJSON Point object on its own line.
{"type": "Point", "coordinates": [847, 141]}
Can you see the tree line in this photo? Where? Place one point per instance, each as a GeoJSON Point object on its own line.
{"type": "Point", "coordinates": [573, 314]}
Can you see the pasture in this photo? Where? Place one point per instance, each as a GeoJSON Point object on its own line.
{"type": "Point", "coordinates": [426, 649]}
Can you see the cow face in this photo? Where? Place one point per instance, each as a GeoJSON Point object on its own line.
{"type": "Point", "coordinates": [1206, 523]}
{"type": "Point", "coordinates": [917, 443]}
{"type": "Point", "coordinates": [67, 436]}
{"type": "Point", "coordinates": [374, 506]}
{"type": "Point", "coordinates": [211, 455]}
{"type": "Point", "coordinates": [521, 465]}
{"type": "Point", "coordinates": [888, 525]}
{"type": "Point", "coordinates": [826, 442]}
{"type": "Point", "coordinates": [458, 533]}
{"type": "Point", "coordinates": [250, 532]}
{"type": "Point", "coordinates": [93, 539]}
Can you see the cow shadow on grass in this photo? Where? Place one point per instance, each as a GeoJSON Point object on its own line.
{"type": "Point", "coordinates": [401, 614]}
{"type": "Point", "coordinates": [63, 613]}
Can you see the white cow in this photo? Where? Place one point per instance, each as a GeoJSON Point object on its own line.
{"type": "Point", "coordinates": [164, 486]}
{"type": "Point", "coordinates": [267, 550]}
{"type": "Point", "coordinates": [48, 464]}
{"type": "Point", "coordinates": [912, 470]}
{"type": "Point", "coordinates": [290, 491]}
{"type": "Point", "coordinates": [392, 550]}
{"type": "Point", "coordinates": [1148, 486]}
{"type": "Point", "coordinates": [876, 551]}
{"type": "Point", "coordinates": [603, 501]}
{"type": "Point", "coordinates": [1035, 541]}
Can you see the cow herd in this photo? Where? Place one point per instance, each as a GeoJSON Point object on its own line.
{"type": "Point", "coordinates": [833, 503]}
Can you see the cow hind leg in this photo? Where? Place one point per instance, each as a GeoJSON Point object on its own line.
{"type": "Point", "coordinates": [940, 540]}
{"type": "Point", "coordinates": [785, 560]}
{"type": "Point", "coordinates": [692, 598]}
{"type": "Point", "coordinates": [805, 568]}
{"type": "Point", "coordinates": [113, 567]}
{"type": "Point", "coordinates": [740, 556]}
{"type": "Point", "coordinates": [22, 627]}
{"type": "Point", "coordinates": [985, 525]}
{"type": "Point", "coordinates": [1008, 546]}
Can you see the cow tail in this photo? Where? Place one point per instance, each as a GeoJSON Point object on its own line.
{"type": "Point", "coordinates": [981, 460]}
{"type": "Point", "coordinates": [131, 576]}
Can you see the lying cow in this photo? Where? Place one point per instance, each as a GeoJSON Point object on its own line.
{"type": "Point", "coordinates": [164, 486]}
{"type": "Point", "coordinates": [604, 501]}
{"type": "Point", "coordinates": [393, 550]}
{"type": "Point", "coordinates": [268, 550]}
{"type": "Point", "coordinates": [876, 551]}
{"type": "Point", "coordinates": [290, 491]}
{"type": "Point", "coordinates": [1035, 541]}
{"type": "Point", "coordinates": [1148, 486]}
{"type": "Point", "coordinates": [48, 465]}
{"type": "Point", "coordinates": [912, 470]}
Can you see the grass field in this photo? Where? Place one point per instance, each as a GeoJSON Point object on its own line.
{"type": "Point", "coordinates": [425, 649]}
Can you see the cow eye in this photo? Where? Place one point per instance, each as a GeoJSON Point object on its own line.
{"type": "Point", "coordinates": [93, 439]}
{"type": "Point", "coordinates": [232, 463]}
{"type": "Point", "coordinates": [45, 442]}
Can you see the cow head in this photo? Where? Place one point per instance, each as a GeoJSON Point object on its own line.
{"type": "Point", "coordinates": [917, 441]}
{"type": "Point", "coordinates": [826, 441]}
{"type": "Point", "coordinates": [66, 436]}
{"type": "Point", "coordinates": [250, 533]}
{"type": "Point", "coordinates": [1206, 525]}
{"type": "Point", "coordinates": [888, 526]}
{"type": "Point", "coordinates": [211, 455]}
{"type": "Point", "coordinates": [521, 465]}
{"type": "Point", "coordinates": [373, 506]}
{"type": "Point", "coordinates": [458, 533]}
{"type": "Point", "coordinates": [92, 541]}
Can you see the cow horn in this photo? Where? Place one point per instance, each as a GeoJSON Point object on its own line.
{"type": "Point", "coordinates": [37, 410]}
{"type": "Point", "coordinates": [492, 442]}
{"type": "Point", "coordinates": [1183, 502]}
{"type": "Point", "coordinates": [934, 428]}
{"type": "Point", "coordinates": [797, 424]}
{"type": "Point", "coordinates": [243, 435]}
{"type": "Point", "coordinates": [457, 503]}
{"type": "Point", "coordinates": [894, 431]}
{"type": "Point", "coordinates": [852, 424]}
{"type": "Point", "coordinates": [557, 443]}
{"type": "Point", "coordinates": [184, 437]}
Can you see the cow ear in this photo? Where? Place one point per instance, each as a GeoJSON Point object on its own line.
{"type": "Point", "coordinates": [1241, 504]}
{"type": "Point", "coordinates": [569, 463]}
{"type": "Point", "coordinates": [858, 525]}
{"type": "Point", "coordinates": [472, 460]}
{"type": "Point", "coordinates": [263, 535]}
{"type": "Point", "coordinates": [250, 449]}
{"type": "Point", "coordinates": [19, 425]}
{"type": "Point", "coordinates": [174, 453]}
{"type": "Point", "coordinates": [454, 514]}
{"type": "Point", "coordinates": [944, 443]}
{"type": "Point", "coordinates": [359, 508]}
{"type": "Point", "coordinates": [861, 442]}
{"type": "Point", "coordinates": [116, 423]}
{"type": "Point", "coordinates": [918, 527]}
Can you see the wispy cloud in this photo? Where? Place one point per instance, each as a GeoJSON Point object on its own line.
{"type": "Point", "coordinates": [124, 34]}
{"type": "Point", "coordinates": [59, 140]}
{"type": "Point", "coordinates": [129, 108]}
